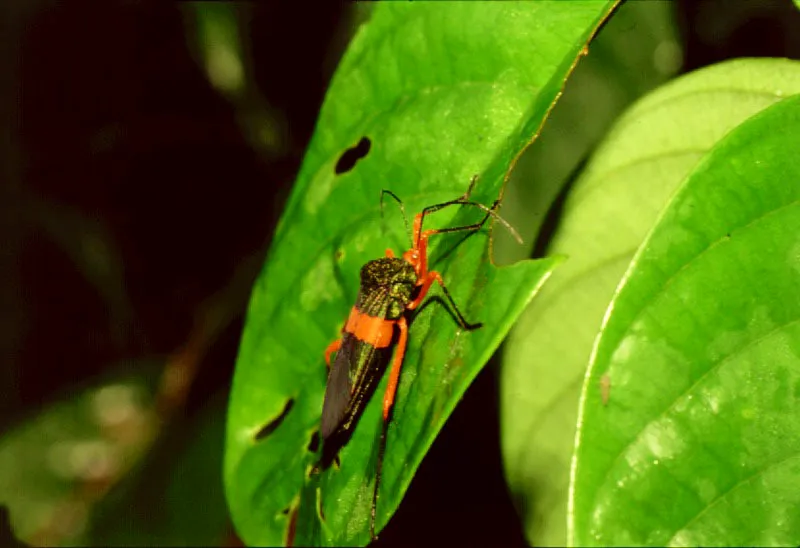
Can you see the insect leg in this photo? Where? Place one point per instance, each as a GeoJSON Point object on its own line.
{"type": "Point", "coordinates": [333, 347]}
{"type": "Point", "coordinates": [462, 200]}
{"type": "Point", "coordinates": [374, 511]}
{"type": "Point", "coordinates": [397, 363]}
{"type": "Point", "coordinates": [388, 402]}
{"type": "Point", "coordinates": [490, 212]}
{"type": "Point", "coordinates": [427, 281]}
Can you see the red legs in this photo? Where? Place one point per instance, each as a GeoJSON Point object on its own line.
{"type": "Point", "coordinates": [397, 364]}
{"type": "Point", "coordinates": [418, 256]}
{"type": "Point", "coordinates": [427, 282]}
{"type": "Point", "coordinates": [388, 403]}
{"type": "Point", "coordinates": [333, 347]}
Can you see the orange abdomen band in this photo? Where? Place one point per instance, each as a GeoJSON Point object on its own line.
{"type": "Point", "coordinates": [375, 331]}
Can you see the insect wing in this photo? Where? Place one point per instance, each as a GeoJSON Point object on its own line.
{"type": "Point", "coordinates": [355, 373]}
{"type": "Point", "coordinates": [339, 387]}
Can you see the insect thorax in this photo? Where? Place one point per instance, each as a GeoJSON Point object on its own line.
{"type": "Point", "coordinates": [387, 286]}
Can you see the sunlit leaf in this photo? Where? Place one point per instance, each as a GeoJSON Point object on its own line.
{"type": "Point", "coordinates": [606, 216]}
{"type": "Point", "coordinates": [689, 418]}
{"type": "Point", "coordinates": [434, 93]}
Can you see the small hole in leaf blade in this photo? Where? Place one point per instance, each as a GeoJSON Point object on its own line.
{"type": "Point", "coordinates": [273, 425]}
{"type": "Point", "coordinates": [348, 159]}
{"type": "Point", "coordinates": [313, 443]}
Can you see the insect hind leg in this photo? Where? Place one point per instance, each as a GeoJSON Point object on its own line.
{"type": "Point", "coordinates": [388, 405]}
{"type": "Point", "coordinates": [433, 276]}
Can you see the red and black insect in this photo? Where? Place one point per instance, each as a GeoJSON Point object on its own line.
{"type": "Point", "coordinates": [391, 288]}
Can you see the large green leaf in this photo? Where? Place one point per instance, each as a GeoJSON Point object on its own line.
{"type": "Point", "coordinates": [606, 216]}
{"type": "Point", "coordinates": [442, 92]}
{"type": "Point", "coordinates": [689, 416]}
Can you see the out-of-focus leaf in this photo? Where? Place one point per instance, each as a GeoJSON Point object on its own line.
{"type": "Point", "coordinates": [635, 51]}
{"type": "Point", "coordinates": [605, 218]}
{"type": "Point", "coordinates": [689, 416]}
{"type": "Point", "coordinates": [56, 464]}
{"type": "Point", "coordinates": [175, 498]}
{"type": "Point", "coordinates": [217, 30]}
{"type": "Point", "coordinates": [435, 93]}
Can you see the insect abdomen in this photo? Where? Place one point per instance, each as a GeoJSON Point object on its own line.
{"type": "Point", "coordinates": [355, 373]}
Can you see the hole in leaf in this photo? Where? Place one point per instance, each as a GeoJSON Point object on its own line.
{"type": "Point", "coordinates": [273, 425]}
{"type": "Point", "coordinates": [352, 155]}
{"type": "Point", "coordinates": [313, 444]}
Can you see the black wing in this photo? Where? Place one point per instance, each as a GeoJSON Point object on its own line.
{"type": "Point", "coordinates": [355, 373]}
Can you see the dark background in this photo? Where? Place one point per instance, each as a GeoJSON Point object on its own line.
{"type": "Point", "coordinates": [110, 125]}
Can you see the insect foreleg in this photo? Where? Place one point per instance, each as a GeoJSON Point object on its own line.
{"type": "Point", "coordinates": [333, 347]}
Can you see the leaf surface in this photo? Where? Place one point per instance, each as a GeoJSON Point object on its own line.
{"type": "Point", "coordinates": [440, 92]}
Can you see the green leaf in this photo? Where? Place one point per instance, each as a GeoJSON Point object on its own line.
{"type": "Point", "coordinates": [689, 417]}
{"type": "Point", "coordinates": [442, 92]}
{"type": "Point", "coordinates": [606, 216]}
{"type": "Point", "coordinates": [637, 50]}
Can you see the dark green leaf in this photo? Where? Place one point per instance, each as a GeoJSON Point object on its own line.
{"type": "Point", "coordinates": [442, 92]}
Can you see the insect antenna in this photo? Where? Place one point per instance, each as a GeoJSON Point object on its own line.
{"type": "Point", "coordinates": [402, 210]}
